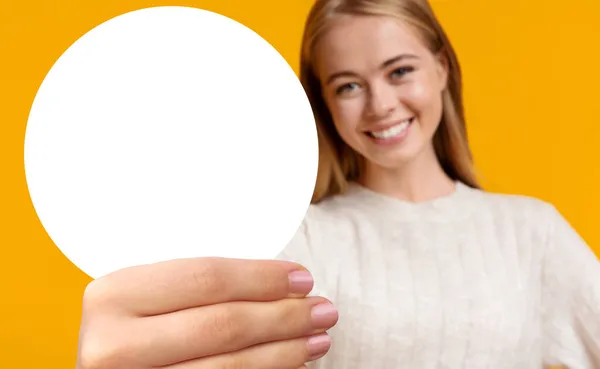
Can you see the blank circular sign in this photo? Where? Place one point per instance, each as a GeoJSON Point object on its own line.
{"type": "Point", "coordinates": [166, 133]}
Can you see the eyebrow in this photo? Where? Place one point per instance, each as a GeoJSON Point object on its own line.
{"type": "Point", "coordinates": [383, 65]}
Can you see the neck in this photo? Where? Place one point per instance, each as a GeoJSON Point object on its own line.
{"type": "Point", "coordinates": [421, 180]}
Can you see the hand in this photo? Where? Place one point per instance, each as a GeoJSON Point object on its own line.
{"type": "Point", "coordinates": [205, 313]}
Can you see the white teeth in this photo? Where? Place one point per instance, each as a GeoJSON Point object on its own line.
{"type": "Point", "coordinates": [392, 131]}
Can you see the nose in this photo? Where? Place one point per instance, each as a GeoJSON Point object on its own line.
{"type": "Point", "coordinates": [382, 100]}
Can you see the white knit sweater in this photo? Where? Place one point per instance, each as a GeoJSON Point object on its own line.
{"type": "Point", "coordinates": [473, 280]}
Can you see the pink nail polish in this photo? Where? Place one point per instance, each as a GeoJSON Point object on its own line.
{"type": "Point", "coordinates": [301, 282]}
{"type": "Point", "coordinates": [324, 315]}
{"type": "Point", "coordinates": [318, 346]}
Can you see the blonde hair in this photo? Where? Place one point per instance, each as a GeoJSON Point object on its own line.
{"type": "Point", "coordinates": [338, 163]}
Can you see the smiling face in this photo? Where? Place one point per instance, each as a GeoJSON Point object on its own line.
{"type": "Point", "coordinates": [383, 88]}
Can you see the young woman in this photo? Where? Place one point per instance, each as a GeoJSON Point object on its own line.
{"type": "Point", "coordinates": [425, 269]}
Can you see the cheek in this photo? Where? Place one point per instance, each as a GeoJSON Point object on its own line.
{"type": "Point", "coordinates": [346, 115]}
{"type": "Point", "coordinates": [425, 100]}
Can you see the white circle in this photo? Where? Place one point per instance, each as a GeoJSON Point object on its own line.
{"type": "Point", "coordinates": [166, 133]}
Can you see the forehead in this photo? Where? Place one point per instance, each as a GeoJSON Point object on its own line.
{"type": "Point", "coordinates": [364, 42]}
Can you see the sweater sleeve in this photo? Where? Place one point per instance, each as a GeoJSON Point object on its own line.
{"type": "Point", "coordinates": [570, 298]}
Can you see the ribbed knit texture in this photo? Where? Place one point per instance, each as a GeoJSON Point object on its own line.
{"type": "Point", "coordinates": [473, 280]}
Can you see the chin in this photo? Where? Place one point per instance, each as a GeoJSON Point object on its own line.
{"type": "Point", "coordinates": [392, 161]}
{"type": "Point", "coordinates": [394, 157]}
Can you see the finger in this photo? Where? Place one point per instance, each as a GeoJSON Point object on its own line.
{"type": "Point", "coordinates": [217, 329]}
{"type": "Point", "coordinates": [184, 283]}
{"type": "Point", "coordinates": [289, 354]}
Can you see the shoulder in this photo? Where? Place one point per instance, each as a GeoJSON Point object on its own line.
{"type": "Point", "coordinates": [521, 208]}
{"type": "Point", "coordinates": [513, 220]}
{"type": "Point", "coordinates": [527, 219]}
{"type": "Point", "coordinates": [333, 209]}
{"type": "Point", "coordinates": [330, 219]}
{"type": "Point", "coordinates": [326, 224]}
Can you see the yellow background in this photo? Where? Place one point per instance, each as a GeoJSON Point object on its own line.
{"type": "Point", "coordinates": [531, 90]}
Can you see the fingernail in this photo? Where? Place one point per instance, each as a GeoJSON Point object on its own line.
{"type": "Point", "coordinates": [301, 282]}
{"type": "Point", "coordinates": [318, 346]}
{"type": "Point", "coordinates": [324, 315]}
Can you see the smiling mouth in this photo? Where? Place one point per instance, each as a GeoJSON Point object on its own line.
{"type": "Point", "coordinates": [392, 131]}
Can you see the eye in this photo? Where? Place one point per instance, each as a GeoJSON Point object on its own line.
{"type": "Point", "coordinates": [401, 72]}
{"type": "Point", "coordinates": [346, 88]}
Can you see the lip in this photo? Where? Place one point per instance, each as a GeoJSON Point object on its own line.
{"type": "Point", "coordinates": [383, 142]}
{"type": "Point", "coordinates": [383, 127]}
